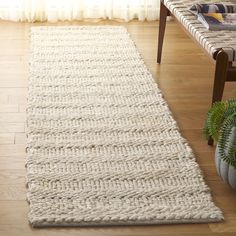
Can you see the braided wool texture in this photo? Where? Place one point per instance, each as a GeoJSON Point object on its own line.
{"type": "Point", "coordinates": [103, 148]}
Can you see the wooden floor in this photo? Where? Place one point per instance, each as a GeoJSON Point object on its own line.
{"type": "Point", "coordinates": [185, 77]}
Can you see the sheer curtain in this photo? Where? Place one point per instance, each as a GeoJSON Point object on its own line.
{"type": "Point", "coordinates": [60, 10]}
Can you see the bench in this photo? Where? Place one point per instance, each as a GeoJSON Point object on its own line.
{"type": "Point", "coordinates": [219, 45]}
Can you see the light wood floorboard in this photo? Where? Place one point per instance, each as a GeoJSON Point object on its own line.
{"type": "Point", "coordinates": [185, 77]}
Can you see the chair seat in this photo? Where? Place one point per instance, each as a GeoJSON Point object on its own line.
{"type": "Point", "coordinates": [211, 41]}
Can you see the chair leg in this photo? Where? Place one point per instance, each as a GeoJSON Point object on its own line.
{"type": "Point", "coordinates": [164, 12]}
{"type": "Point", "coordinates": [221, 70]}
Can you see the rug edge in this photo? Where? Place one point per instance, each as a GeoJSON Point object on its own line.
{"type": "Point", "coordinates": [127, 223]}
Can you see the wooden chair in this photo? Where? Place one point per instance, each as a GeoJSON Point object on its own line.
{"type": "Point", "coordinates": [222, 50]}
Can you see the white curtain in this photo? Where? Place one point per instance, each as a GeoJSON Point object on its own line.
{"type": "Point", "coordinates": [61, 10]}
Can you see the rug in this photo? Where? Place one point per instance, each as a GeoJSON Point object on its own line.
{"type": "Point", "coordinates": [102, 145]}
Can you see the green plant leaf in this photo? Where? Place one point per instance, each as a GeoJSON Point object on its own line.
{"type": "Point", "coordinates": [216, 117]}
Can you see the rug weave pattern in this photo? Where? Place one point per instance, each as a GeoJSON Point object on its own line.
{"type": "Point", "coordinates": [103, 148]}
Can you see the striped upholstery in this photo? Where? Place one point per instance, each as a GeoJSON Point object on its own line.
{"type": "Point", "coordinates": [211, 41]}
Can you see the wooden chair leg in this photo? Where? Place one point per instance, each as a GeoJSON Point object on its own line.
{"type": "Point", "coordinates": [221, 70]}
{"type": "Point", "coordinates": [164, 12]}
{"type": "Point", "coordinates": [210, 141]}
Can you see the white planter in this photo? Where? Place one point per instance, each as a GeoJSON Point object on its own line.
{"type": "Point", "coordinates": [226, 171]}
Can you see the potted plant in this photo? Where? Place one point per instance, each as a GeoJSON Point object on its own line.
{"type": "Point", "coordinates": [220, 125]}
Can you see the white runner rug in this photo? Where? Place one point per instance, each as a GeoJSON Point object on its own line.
{"type": "Point", "coordinates": [103, 147]}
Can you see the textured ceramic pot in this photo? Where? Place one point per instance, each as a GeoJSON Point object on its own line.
{"type": "Point", "coordinates": [226, 171]}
